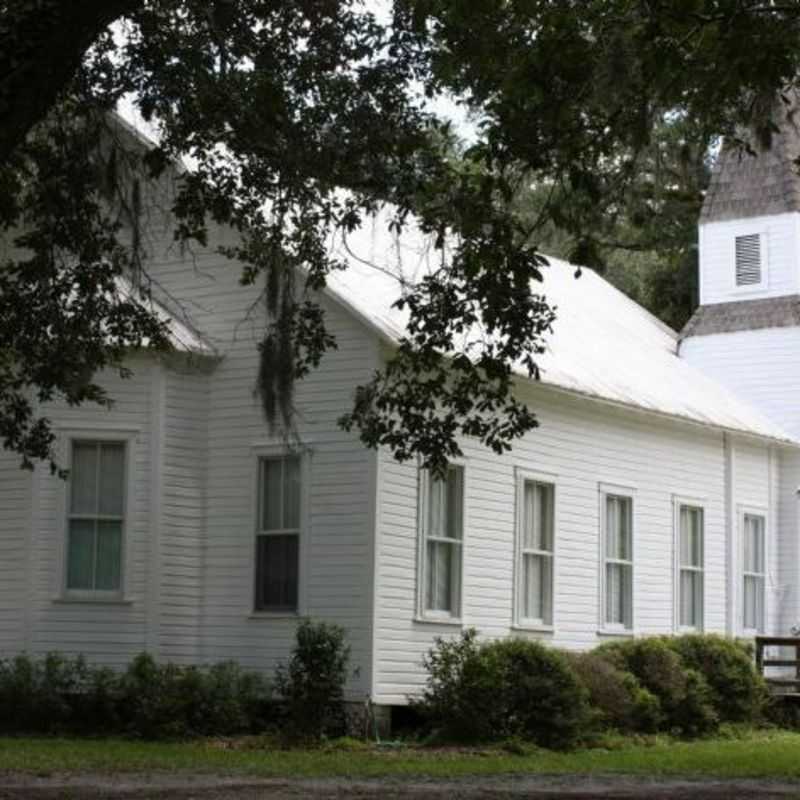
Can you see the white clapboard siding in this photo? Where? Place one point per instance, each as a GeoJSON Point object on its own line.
{"type": "Point", "coordinates": [339, 540]}
{"type": "Point", "coordinates": [788, 546]}
{"type": "Point", "coordinates": [761, 366]}
{"type": "Point", "coordinates": [583, 444]}
{"type": "Point", "coordinates": [15, 523]}
{"type": "Point", "coordinates": [181, 539]}
{"type": "Point", "coordinates": [109, 633]}
{"type": "Point", "coordinates": [779, 264]}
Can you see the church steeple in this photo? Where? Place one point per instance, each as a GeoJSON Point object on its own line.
{"type": "Point", "coordinates": [744, 185]}
{"type": "Point", "coordinates": [746, 332]}
{"type": "Point", "coordinates": [749, 236]}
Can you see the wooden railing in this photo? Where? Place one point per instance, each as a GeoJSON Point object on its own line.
{"type": "Point", "coordinates": [782, 685]}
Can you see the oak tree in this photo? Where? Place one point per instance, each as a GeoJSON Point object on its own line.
{"type": "Point", "coordinates": [303, 116]}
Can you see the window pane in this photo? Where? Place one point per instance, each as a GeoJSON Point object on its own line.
{"type": "Point", "coordinates": [749, 555]}
{"type": "Point", "coordinates": [759, 546]}
{"type": "Point", "coordinates": [753, 543]}
{"type": "Point", "coordinates": [529, 533]}
{"type": "Point", "coordinates": [618, 527]}
{"type": "Point", "coordinates": [697, 536]}
{"type": "Point", "coordinates": [112, 479]}
{"type": "Point", "coordinates": [277, 572]}
{"type": "Point", "coordinates": [109, 556]}
{"type": "Point", "coordinates": [691, 536]}
{"type": "Point", "coordinates": [753, 602]}
{"type": "Point", "coordinates": [83, 478]}
{"type": "Point", "coordinates": [691, 599]}
{"type": "Point", "coordinates": [537, 586]}
{"type": "Point", "coordinates": [436, 507]}
{"type": "Point", "coordinates": [619, 594]}
{"type": "Point", "coordinates": [612, 527]}
{"type": "Point", "coordinates": [271, 481]}
{"type": "Point", "coordinates": [80, 554]}
{"type": "Point", "coordinates": [441, 577]}
{"type": "Point", "coordinates": [291, 492]}
{"type": "Point", "coordinates": [545, 516]}
{"type": "Point", "coordinates": [455, 502]}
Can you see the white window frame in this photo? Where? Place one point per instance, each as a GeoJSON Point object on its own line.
{"type": "Point", "coordinates": [424, 614]}
{"type": "Point", "coordinates": [678, 502]}
{"type": "Point", "coordinates": [606, 490]}
{"type": "Point", "coordinates": [128, 437]}
{"type": "Point", "coordinates": [763, 244]}
{"type": "Point", "coordinates": [763, 513]}
{"type": "Point", "coordinates": [271, 451]}
{"type": "Point", "coordinates": [519, 621]}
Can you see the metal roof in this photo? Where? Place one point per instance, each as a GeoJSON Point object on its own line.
{"type": "Point", "coordinates": [603, 344]}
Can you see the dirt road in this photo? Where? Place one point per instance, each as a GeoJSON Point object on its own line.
{"type": "Point", "coordinates": [182, 787]}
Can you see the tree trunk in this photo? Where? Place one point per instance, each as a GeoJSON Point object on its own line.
{"type": "Point", "coordinates": [41, 46]}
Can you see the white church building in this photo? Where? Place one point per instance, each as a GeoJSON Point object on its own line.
{"type": "Point", "coordinates": [658, 495]}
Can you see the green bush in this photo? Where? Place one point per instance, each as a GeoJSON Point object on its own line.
{"type": "Point", "coordinates": [149, 700]}
{"type": "Point", "coordinates": [503, 690]}
{"type": "Point", "coordinates": [684, 695]}
{"type": "Point", "coordinates": [36, 695]}
{"type": "Point", "coordinates": [311, 686]}
{"type": "Point", "coordinates": [738, 692]}
{"type": "Point", "coordinates": [617, 698]}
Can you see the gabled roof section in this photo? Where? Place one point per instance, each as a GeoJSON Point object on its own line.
{"type": "Point", "coordinates": [746, 185]}
{"type": "Point", "coordinates": [181, 334]}
{"type": "Point", "coordinates": [603, 345]}
{"type": "Point", "coordinates": [744, 315]}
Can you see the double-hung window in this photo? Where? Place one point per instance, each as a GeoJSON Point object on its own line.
{"type": "Point", "coordinates": [442, 543]}
{"type": "Point", "coordinates": [691, 548]}
{"type": "Point", "coordinates": [96, 518]}
{"type": "Point", "coordinates": [278, 534]}
{"type": "Point", "coordinates": [617, 561]}
{"type": "Point", "coordinates": [753, 572]}
{"type": "Point", "coordinates": [536, 548]}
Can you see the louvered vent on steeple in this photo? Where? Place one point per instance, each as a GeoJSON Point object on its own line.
{"type": "Point", "coordinates": [748, 260]}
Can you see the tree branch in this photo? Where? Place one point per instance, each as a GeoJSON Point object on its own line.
{"type": "Point", "coordinates": [41, 46]}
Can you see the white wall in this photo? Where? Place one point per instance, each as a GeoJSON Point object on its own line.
{"type": "Point", "coordinates": [177, 591]}
{"type": "Point", "coordinates": [761, 366]}
{"type": "Point", "coordinates": [340, 492]}
{"type": "Point", "coordinates": [15, 525]}
{"type": "Point", "coordinates": [106, 632]}
{"type": "Point", "coordinates": [583, 443]}
{"type": "Point", "coordinates": [788, 567]}
{"type": "Point", "coordinates": [780, 249]}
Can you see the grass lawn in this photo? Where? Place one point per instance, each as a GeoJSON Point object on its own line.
{"type": "Point", "coordinates": [772, 754]}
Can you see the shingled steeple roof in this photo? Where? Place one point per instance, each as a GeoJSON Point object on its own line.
{"type": "Point", "coordinates": [745, 185]}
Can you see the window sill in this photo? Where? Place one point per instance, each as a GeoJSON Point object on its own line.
{"type": "Point", "coordinates": [522, 627]}
{"type": "Point", "coordinates": [93, 601]}
{"type": "Point", "coordinates": [623, 632]}
{"type": "Point", "coordinates": [454, 621]}
{"type": "Point", "coordinates": [267, 615]}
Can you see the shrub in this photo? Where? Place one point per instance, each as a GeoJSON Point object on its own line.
{"type": "Point", "coordinates": [617, 698]}
{"type": "Point", "coordinates": [40, 696]}
{"type": "Point", "coordinates": [311, 686]}
{"type": "Point", "coordinates": [738, 692]}
{"type": "Point", "coordinates": [62, 695]}
{"type": "Point", "coordinates": [684, 696]}
{"type": "Point", "coordinates": [158, 701]}
{"type": "Point", "coordinates": [503, 690]}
